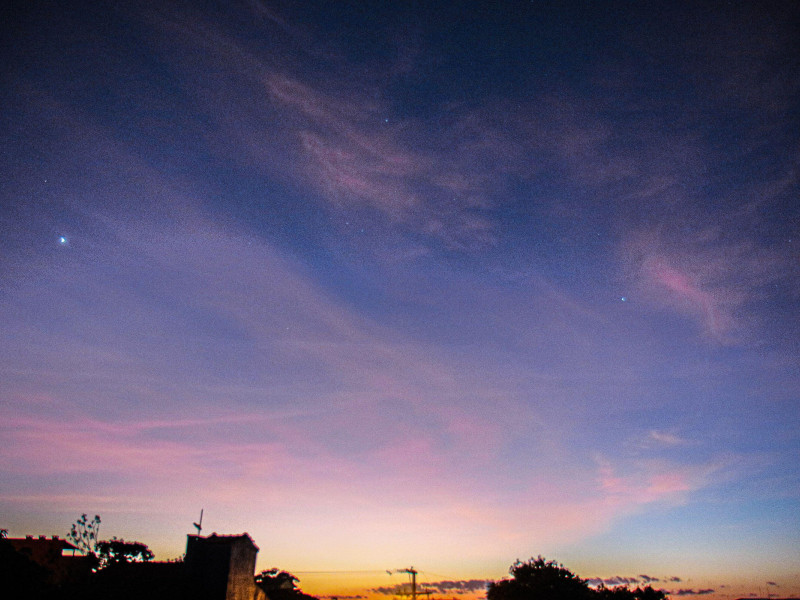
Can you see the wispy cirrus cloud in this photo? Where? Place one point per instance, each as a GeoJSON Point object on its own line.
{"type": "Point", "coordinates": [357, 153]}
{"type": "Point", "coordinates": [705, 277]}
{"type": "Point", "coordinates": [338, 133]}
{"type": "Point", "coordinates": [666, 438]}
{"type": "Point", "coordinates": [659, 439]}
{"type": "Point", "coordinates": [658, 485]}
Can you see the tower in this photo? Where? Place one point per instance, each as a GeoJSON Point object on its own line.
{"type": "Point", "coordinates": [221, 567]}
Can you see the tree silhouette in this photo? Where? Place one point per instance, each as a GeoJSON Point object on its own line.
{"type": "Point", "coordinates": [84, 534]}
{"type": "Point", "coordinates": [116, 551]}
{"type": "Point", "coordinates": [281, 585]}
{"type": "Point", "coordinates": [540, 579]}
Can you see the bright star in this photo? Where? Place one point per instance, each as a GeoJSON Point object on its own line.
{"type": "Point", "coordinates": [624, 299]}
{"type": "Point", "coordinates": [62, 240]}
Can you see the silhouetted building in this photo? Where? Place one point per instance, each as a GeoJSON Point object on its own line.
{"type": "Point", "coordinates": [54, 554]}
{"type": "Point", "coordinates": [217, 567]}
{"type": "Point", "coordinates": [221, 567]}
{"type": "Point", "coordinates": [137, 581]}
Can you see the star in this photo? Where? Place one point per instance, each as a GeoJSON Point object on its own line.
{"type": "Point", "coordinates": [62, 240]}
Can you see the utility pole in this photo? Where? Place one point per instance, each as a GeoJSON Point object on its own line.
{"type": "Point", "coordinates": [413, 572]}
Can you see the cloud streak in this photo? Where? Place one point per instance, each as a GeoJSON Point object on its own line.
{"type": "Point", "coordinates": [458, 587]}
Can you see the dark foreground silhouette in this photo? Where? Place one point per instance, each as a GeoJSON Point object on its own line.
{"type": "Point", "coordinates": [221, 567]}
{"type": "Point", "coordinates": [217, 567]}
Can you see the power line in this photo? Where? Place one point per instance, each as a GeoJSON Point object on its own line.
{"type": "Point", "coordinates": [324, 572]}
{"type": "Point", "coordinates": [446, 577]}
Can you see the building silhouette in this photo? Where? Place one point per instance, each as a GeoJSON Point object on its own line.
{"type": "Point", "coordinates": [56, 555]}
{"type": "Point", "coordinates": [216, 567]}
{"type": "Point", "coordinates": [221, 567]}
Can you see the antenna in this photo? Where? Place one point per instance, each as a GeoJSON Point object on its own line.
{"type": "Point", "coordinates": [199, 525]}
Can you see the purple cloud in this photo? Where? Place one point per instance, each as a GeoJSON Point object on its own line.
{"type": "Point", "coordinates": [618, 580]}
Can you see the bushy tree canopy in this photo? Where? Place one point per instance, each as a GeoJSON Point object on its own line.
{"type": "Point", "coordinates": [117, 551]}
{"type": "Point", "coordinates": [540, 579]}
{"type": "Point", "coordinates": [280, 585]}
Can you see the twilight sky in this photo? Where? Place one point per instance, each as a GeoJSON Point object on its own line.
{"type": "Point", "coordinates": [441, 284]}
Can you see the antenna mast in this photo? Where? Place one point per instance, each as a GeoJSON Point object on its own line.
{"type": "Point", "coordinates": [199, 524]}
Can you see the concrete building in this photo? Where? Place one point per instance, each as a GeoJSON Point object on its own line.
{"type": "Point", "coordinates": [221, 567]}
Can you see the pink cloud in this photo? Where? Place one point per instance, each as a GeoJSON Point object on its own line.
{"type": "Point", "coordinates": [565, 509]}
{"type": "Point", "coordinates": [713, 280]}
{"type": "Point", "coordinates": [686, 291]}
{"type": "Point", "coordinates": [634, 491]}
{"type": "Point", "coordinates": [164, 470]}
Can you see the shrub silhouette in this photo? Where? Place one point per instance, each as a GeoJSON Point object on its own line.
{"type": "Point", "coordinates": [281, 585]}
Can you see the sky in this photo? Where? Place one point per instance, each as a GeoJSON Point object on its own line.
{"type": "Point", "coordinates": [442, 284]}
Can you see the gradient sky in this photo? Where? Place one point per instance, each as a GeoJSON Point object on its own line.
{"type": "Point", "coordinates": [440, 284]}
